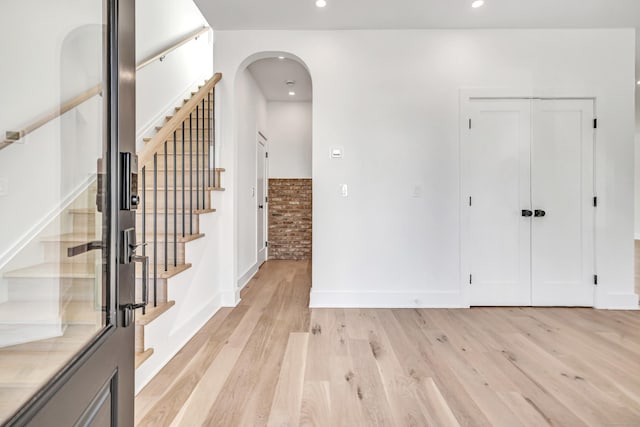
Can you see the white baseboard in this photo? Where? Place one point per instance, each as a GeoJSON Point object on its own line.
{"type": "Point", "coordinates": [247, 276]}
{"type": "Point", "coordinates": [164, 351]}
{"type": "Point", "coordinates": [34, 231]}
{"type": "Point", "coordinates": [375, 299]}
{"type": "Point", "coordinates": [615, 301]}
{"type": "Point", "coordinates": [167, 110]}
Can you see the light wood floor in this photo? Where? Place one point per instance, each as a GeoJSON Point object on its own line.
{"type": "Point", "coordinates": [273, 361]}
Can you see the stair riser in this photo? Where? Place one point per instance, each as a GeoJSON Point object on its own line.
{"type": "Point", "coordinates": [24, 333]}
{"type": "Point", "coordinates": [193, 119]}
{"type": "Point", "coordinates": [195, 223]}
{"type": "Point", "coordinates": [196, 169]}
{"type": "Point", "coordinates": [195, 163]}
{"type": "Point", "coordinates": [190, 180]}
{"type": "Point", "coordinates": [39, 289]}
{"type": "Point", "coordinates": [85, 314]}
{"type": "Point", "coordinates": [56, 252]}
{"type": "Point", "coordinates": [150, 202]}
{"type": "Point", "coordinates": [139, 337]}
{"type": "Point", "coordinates": [199, 130]}
{"type": "Point", "coordinates": [160, 252]}
{"type": "Point", "coordinates": [162, 290]}
{"type": "Point", "coordinates": [83, 222]}
{"type": "Point", "coordinates": [194, 149]}
{"type": "Point", "coordinates": [190, 153]}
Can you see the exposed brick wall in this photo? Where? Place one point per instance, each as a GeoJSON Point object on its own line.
{"type": "Point", "coordinates": [289, 218]}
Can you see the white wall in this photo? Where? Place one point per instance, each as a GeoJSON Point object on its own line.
{"type": "Point", "coordinates": [251, 119]}
{"type": "Point", "coordinates": [289, 139]}
{"type": "Point", "coordinates": [53, 49]}
{"type": "Point", "coordinates": [394, 107]}
{"type": "Point", "coordinates": [162, 85]}
{"type": "Point", "coordinates": [637, 186]}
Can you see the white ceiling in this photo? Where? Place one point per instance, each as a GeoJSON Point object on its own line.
{"type": "Point", "coordinates": [413, 14]}
{"type": "Point", "coordinates": [272, 73]}
{"type": "Point", "coordinates": [424, 14]}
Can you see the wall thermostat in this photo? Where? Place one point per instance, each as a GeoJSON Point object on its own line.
{"type": "Point", "coordinates": [336, 152]}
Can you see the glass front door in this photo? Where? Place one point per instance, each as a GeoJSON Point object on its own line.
{"type": "Point", "coordinates": [66, 288]}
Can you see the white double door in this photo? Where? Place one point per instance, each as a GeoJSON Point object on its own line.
{"type": "Point", "coordinates": [528, 233]}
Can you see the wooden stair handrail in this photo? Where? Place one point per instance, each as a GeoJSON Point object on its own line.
{"type": "Point", "coordinates": [69, 105]}
{"type": "Point", "coordinates": [14, 136]}
{"type": "Point", "coordinates": [146, 154]}
{"type": "Point", "coordinates": [162, 54]}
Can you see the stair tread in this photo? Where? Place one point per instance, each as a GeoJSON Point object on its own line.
{"type": "Point", "coordinates": [55, 270]}
{"type": "Point", "coordinates": [153, 312]}
{"type": "Point", "coordinates": [142, 357]}
{"type": "Point", "coordinates": [171, 271]}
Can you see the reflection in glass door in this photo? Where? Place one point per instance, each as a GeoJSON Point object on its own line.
{"type": "Point", "coordinates": [56, 245]}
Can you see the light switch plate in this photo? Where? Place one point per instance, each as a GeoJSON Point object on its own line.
{"type": "Point", "coordinates": [336, 152]}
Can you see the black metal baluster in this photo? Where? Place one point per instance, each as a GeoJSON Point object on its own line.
{"type": "Point", "coordinates": [209, 140]}
{"type": "Point", "coordinates": [197, 157]}
{"type": "Point", "coordinates": [190, 176]}
{"type": "Point", "coordinates": [212, 136]}
{"type": "Point", "coordinates": [166, 213]}
{"type": "Point", "coordinates": [204, 184]}
{"type": "Point", "coordinates": [175, 203]}
{"type": "Point", "coordinates": [155, 229]}
{"type": "Point", "coordinates": [183, 206]}
{"type": "Point", "coordinates": [144, 210]}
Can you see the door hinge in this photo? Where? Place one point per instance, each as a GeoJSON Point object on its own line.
{"type": "Point", "coordinates": [470, 201]}
{"type": "Point", "coordinates": [470, 279]}
{"type": "Point", "coordinates": [595, 279]}
{"type": "Point", "coordinates": [266, 244]}
{"type": "Point", "coordinates": [266, 154]}
{"type": "Point", "coordinates": [595, 123]}
{"type": "Point", "coordinates": [469, 123]}
{"type": "Point", "coordinates": [595, 202]}
{"type": "Point", "coordinates": [266, 199]}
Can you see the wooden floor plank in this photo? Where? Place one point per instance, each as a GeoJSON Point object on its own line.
{"type": "Point", "coordinates": [285, 409]}
{"type": "Point", "coordinates": [273, 361]}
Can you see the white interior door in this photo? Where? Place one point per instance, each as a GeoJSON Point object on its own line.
{"type": "Point", "coordinates": [497, 181]}
{"type": "Point", "coordinates": [261, 186]}
{"type": "Point", "coordinates": [563, 188]}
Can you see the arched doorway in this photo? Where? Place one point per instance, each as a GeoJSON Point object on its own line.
{"type": "Point", "coordinates": [273, 107]}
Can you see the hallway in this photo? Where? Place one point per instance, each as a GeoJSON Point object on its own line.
{"type": "Point", "coordinates": [273, 361]}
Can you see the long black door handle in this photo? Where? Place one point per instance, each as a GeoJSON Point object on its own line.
{"type": "Point", "coordinates": [85, 247]}
{"type": "Point", "coordinates": [539, 213]}
{"type": "Point", "coordinates": [527, 213]}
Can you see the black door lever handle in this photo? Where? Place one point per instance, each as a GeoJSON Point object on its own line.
{"type": "Point", "coordinates": [539, 213]}
{"type": "Point", "coordinates": [527, 213]}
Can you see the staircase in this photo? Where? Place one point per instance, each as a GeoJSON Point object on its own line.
{"type": "Point", "coordinates": [177, 176]}
{"type": "Point", "coordinates": [57, 304]}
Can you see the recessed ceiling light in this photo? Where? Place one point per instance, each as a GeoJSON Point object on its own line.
{"type": "Point", "coordinates": [280, 57]}
{"type": "Point", "coordinates": [321, 3]}
{"type": "Point", "coordinates": [477, 3]}
{"type": "Point", "coordinates": [292, 93]}
{"type": "Point", "coordinates": [638, 83]}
